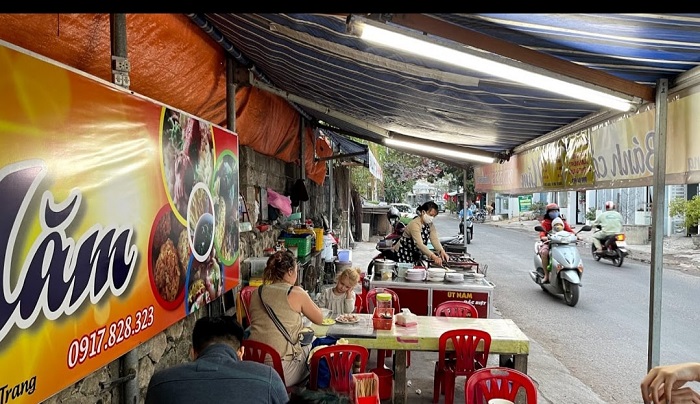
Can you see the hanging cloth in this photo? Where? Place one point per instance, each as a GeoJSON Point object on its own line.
{"type": "Point", "coordinates": [299, 192]}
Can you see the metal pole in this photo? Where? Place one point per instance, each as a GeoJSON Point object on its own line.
{"type": "Point", "coordinates": [464, 205]}
{"type": "Point", "coordinates": [347, 233]}
{"type": "Point", "coordinates": [331, 187]}
{"type": "Point", "coordinates": [231, 86]}
{"type": "Point", "coordinates": [657, 246]}
{"type": "Point", "coordinates": [120, 62]}
{"type": "Point", "coordinates": [129, 363]}
{"type": "Point", "coordinates": [302, 138]}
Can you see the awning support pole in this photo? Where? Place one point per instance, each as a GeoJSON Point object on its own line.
{"type": "Point", "coordinates": [658, 205]}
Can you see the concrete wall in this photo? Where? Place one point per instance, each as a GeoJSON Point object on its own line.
{"type": "Point", "coordinates": [172, 346]}
{"type": "Point", "coordinates": [636, 234]}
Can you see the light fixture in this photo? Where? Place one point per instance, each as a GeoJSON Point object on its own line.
{"type": "Point", "coordinates": [487, 63]}
{"type": "Point", "coordinates": [441, 151]}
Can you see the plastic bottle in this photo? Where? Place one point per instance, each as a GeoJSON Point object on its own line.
{"type": "Point", "coordinates": [383, 301]}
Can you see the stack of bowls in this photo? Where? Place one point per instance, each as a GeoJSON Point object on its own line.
{"type": "Point", "coordinates": [436, 274]}
{"type": "Point", "coordinates": [415, 274]}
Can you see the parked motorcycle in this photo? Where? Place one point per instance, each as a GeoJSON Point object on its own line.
{"type": "Point", "coordinates": [480, 215]}
{"type": "Point", "coordinates": [614, 248]}
{"type": "Point", "coordinates": [566, 266]}
{"type": "Point", "coordinates": [470, 229]}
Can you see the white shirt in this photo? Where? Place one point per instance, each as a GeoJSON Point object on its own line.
{"type": "Point", "coordinates": [338, 304]}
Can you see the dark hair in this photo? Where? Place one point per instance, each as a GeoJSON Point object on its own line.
{"type": "Point", "coordinates": [427, 206]}
{"type": "Point", "coordinates": [279, 264]}
{"type": "Point", "coordinates": [212, 330]}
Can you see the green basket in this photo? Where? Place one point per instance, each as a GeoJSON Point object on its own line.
{"type": "Point", "coordinates": [303, 244]}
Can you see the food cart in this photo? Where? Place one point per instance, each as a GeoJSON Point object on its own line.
{"type": "Point", "coordinates": [424, 296]}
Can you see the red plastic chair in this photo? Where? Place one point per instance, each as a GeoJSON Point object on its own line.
{"type": "Point", "coordinates": [498, 382]}
{"type": "Point", "coordinates": [340, 359]}
{"type": "Point", "coordinates": [456, 308]}
{"type": "Point", "coordinates": [256, 351]}
{"type": "Point", "coordinates": [372, 299]}
{"type": "Point", "coordinates": [371, 304]}
{"type": "Point", "coordinates": [358, 303]}
{"type": "Point", "coordinates": [463, 361]}
{"type": "Point", "coordinates": [246, 293]}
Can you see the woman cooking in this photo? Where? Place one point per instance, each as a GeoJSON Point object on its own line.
{"type": "Point", "coordinates": [413, 242]}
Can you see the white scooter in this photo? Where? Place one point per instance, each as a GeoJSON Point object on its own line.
{"type": "Point", "coordinates": [566, 267]}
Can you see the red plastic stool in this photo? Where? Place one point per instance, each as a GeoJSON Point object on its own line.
{"type": "Point", "coordinates": [386, 382]}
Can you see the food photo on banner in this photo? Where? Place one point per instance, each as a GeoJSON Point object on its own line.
{"type": "Point", "coordinates": [119, 218]}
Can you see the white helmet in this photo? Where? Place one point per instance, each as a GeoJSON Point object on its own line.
{"type": "Point", "coordinates": [609, 205]}
{"type": "Point", "coordinates": [393, 213]}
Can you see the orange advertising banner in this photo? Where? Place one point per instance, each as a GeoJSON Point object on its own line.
{"type": "Point", "coordinates": [578, 161]}
{"type": "Point", "coordinates": [119, 218]}
{"type": "Point", "coordinates": [552, 161]}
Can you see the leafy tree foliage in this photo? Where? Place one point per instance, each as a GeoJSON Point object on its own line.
{"type": "Point", "coordinates": [401, 171]}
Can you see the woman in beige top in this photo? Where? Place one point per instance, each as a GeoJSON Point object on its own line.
{"type": "Point", "coordinates": [288, 302]}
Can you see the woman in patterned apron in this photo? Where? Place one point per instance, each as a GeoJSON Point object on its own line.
{"type": "Point", "coordinates": [413, 242]}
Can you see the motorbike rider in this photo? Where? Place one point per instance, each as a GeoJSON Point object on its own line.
{"type": "Point", "coordinates": [551, 213]}
{"type": "Point", "coordinates": [413, 242]}
{"type": "Point", "coordinates": [469, 215]}
{"type": "Point", "coordinates": [610, 223]}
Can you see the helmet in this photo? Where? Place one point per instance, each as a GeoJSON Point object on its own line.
{"type": "Point", "coordinates": [393, 213]}
{"type": "Point", "coordinates": [557, 221]}
{"type": "Point", "coordinates": [551, 206]}
{"type": "Point", "coordinates": [609, 205]}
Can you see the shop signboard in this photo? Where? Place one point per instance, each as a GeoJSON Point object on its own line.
{"type": "Point", "coordinates": [119, 218]}
{"type": "Point", "coordinates": [524, 203]}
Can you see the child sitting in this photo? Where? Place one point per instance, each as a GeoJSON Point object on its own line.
{"type": "Point", "coordinates": [557, 225]}
{"type": "Point", "coordinates": [340, 299]}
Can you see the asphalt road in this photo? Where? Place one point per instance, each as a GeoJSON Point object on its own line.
{"type": "Point", "coordinates": [601, 343]}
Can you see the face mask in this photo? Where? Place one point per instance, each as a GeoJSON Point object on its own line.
{"type": "Point", "coordinates": [427, 219]}
{"type": "Point", "coordinates": [554, 214]}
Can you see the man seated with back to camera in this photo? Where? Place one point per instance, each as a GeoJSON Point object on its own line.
{"type": "Point", "coordinates": [218, 373]}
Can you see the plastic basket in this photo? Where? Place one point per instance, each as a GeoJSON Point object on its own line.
{"type": "Point", "coordinates": [380, 323]}
{"type": "Point", "coordinates": [303, 244]}
{"type": "Point", "coordinates": [369, 397]}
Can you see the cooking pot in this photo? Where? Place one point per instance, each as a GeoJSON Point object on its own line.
{"type": "Point", "coordinates": [383, 265]}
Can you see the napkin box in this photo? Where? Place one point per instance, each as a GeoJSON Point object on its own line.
{"type": "Point", "coordinates": [406, 319]}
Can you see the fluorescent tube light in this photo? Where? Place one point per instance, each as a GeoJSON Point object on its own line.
{"type": "Point", "coordinates": [484, 65]}
{"type": "Point", "coordinates": [438, 150]}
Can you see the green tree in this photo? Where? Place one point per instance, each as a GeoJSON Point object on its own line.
{"type": "Point", "coordinates": [689, 209]}
{"type": "Point", "coordinates": [401, 171]}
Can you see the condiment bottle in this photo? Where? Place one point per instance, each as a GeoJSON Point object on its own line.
{"type": "Point", "coordinates": [383, 301]}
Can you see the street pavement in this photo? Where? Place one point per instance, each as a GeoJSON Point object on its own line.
{"type": "Point", "coordinates": [555, 384]}
{"type": "Point", "coordinates": [679, 252]}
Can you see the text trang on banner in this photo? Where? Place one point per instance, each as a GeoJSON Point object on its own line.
{"type": "Point", "coordinates": [119, 218]}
